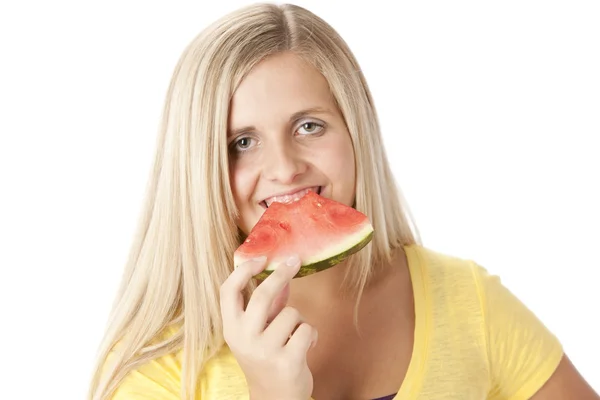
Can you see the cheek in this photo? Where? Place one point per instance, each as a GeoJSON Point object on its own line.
{"type": "Point", "coordinates": [242, 183]}
{"type": "Point", "coordinates": [342, 159]}
{"type": "Point", "coordinates": [337, 162]}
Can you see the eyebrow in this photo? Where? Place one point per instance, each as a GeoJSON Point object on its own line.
{"type": "Point", "coordinates": [294, 117]}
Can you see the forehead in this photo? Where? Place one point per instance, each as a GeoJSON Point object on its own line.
{"type": "Point", "coordinates": [276, 88]}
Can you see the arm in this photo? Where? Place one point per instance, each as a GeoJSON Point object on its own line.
{"type": "Point", "coordinates": [526, 360]}
{"type": "Point", "coordinates": [566, 383]}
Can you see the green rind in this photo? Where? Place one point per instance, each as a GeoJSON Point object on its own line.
{"type": "Point", "coordinates": [322, 265]}
{"type": "Point", "coordinates": [341, 244]}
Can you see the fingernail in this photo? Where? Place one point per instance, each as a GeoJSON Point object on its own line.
{"type": "Point", "coordinates": [292, 261]}
{"type": "Point", "coordinates": [259, 259]}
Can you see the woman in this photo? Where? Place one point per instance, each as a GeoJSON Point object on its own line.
{"type": "Point", "coordinates": [269, 101]}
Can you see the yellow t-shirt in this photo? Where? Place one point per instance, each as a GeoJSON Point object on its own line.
{"type": "Point", "coordinates": [473, 340]}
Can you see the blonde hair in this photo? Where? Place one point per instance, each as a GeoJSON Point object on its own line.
{"type": "Point", "coordinates": [183, 249]}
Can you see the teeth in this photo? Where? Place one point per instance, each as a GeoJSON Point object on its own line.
{"type": "Point", "coordinates": [288, 198]}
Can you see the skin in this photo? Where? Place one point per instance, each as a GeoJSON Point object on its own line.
{"type": "Point", "coordinates": [286, 133]}
{"type": "Point", "coordinates": [275, 149]}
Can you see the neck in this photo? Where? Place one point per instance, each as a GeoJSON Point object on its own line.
{"type": "Point", "coordinates": [328, 285]}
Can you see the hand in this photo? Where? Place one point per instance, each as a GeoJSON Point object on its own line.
{"type": "Point", "coordinates": [269, 341]}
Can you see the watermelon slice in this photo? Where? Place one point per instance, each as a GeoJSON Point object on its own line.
{"type": "Point", "coordinates": [321, 231]}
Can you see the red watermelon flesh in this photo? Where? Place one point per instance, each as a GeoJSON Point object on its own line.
{"type": "Point", "coordinates": [321, 231]}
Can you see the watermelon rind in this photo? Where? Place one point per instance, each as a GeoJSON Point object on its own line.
{"type": "Point", "coordinates": [327, 259]}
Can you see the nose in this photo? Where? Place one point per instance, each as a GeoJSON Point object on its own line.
{"type": "Point", "coordinates": [283, 163]}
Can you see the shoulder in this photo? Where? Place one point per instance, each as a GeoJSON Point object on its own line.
{"type": "Point", "coordinates": [222, 378]}
{"type": "Point", "coordinates": [441, 272]}
{"type": "Point", "coordinates": [156, 378]}
{"type": "Point", "coordinates": [162, 378]}
{"type": "Point", "coordinates": [520, 353]}
{"type": "Point", "coordinates": [460, 279]}
{"type": "Point", "coordinates": [156, 374]}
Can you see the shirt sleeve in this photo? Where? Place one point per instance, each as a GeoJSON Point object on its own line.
{"type": "Point", "coordinates": [522, 352]}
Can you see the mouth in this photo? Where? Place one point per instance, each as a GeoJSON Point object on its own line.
{"type": "Point", "coordinates": [289, 197]}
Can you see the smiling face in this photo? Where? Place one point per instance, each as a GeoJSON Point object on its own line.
{"type": "Point", "coordinates": [286, 136]}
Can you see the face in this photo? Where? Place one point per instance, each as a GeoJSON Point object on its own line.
{"type": "Point", "coordinates": [286, 135]}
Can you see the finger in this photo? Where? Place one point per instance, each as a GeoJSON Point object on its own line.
{"type": "Point", "coordinates": [279, 331]}
{"type": "Point", "coordinates": [261, 300]}
{"type": "Point", "coordinates": [279, 303]}
{"type": "Point", "coordinates": [231, 298]}
{"type": "Point", "coordinates": [301, 341]}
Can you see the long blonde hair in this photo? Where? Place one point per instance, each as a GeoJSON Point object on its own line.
{"type": "Point", "coordinates": [183, 249]}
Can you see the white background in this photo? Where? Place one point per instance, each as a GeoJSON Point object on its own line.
{"type": "Point", "coordinates": [491, 116]}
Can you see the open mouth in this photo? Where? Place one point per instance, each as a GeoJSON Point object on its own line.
{"type": "Point", "coordinates": [289, 198]}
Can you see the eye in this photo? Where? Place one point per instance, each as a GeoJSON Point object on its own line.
{"type": "Point", "coordinates": [310, 128]}
{"type": "Point", "coordinates": [242, 144]}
